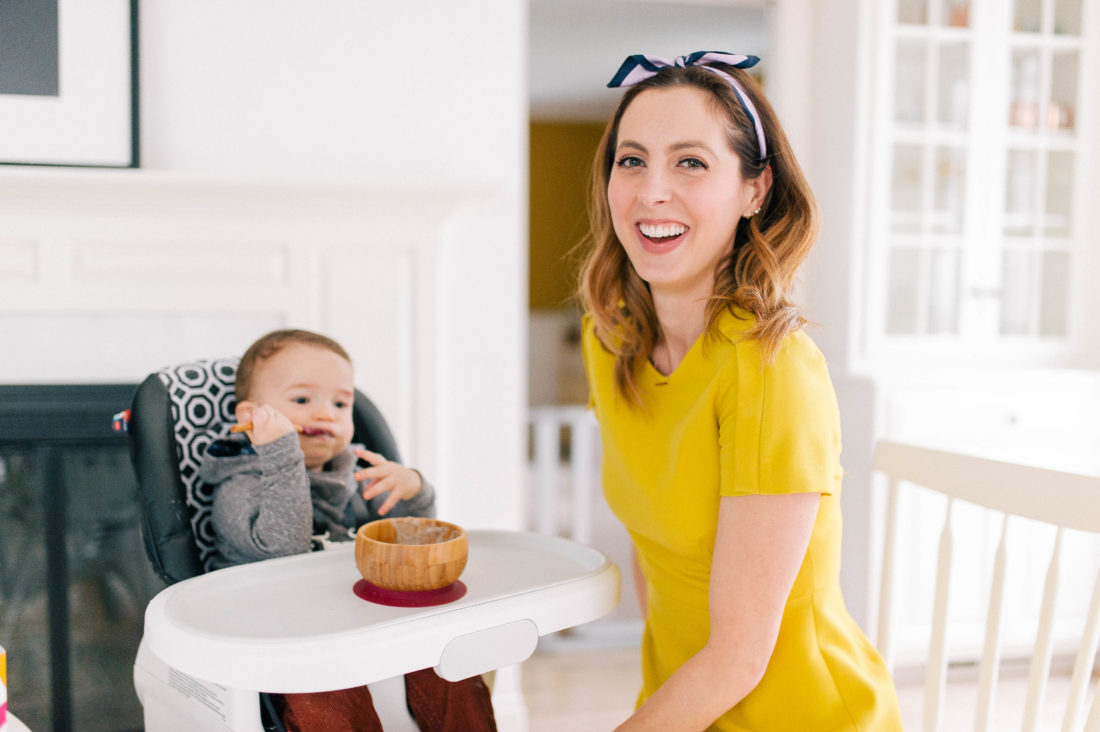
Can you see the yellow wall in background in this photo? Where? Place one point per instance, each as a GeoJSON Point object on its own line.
{"type": "Point", "coordinates": [560, 164]}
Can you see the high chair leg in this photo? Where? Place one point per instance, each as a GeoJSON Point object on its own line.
{"type": "Point", "coordinates": [391, 705]}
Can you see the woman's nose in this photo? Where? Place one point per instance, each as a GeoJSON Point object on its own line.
{"type": "Point", "coordinates": [654, 189]}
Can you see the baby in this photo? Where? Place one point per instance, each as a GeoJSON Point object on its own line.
{"type": "Point", "coordinates": [295, 475]}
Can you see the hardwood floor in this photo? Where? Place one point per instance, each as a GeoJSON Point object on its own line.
{"type": "Point", "coordinates": [592, 690]}
{"type": "Point", "coordinates": [580, 690]}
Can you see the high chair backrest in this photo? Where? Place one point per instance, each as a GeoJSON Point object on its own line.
{"type": "Point", "coordinates": [175, 414]}
{"type": "Point", "coordinates": [1067, 503]}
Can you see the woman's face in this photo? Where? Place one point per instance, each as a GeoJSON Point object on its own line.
{"type": "Point", "coordinates": [676, 191]}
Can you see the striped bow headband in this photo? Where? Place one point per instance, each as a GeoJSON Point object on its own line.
{"type": "Point", "coordinates": [639, 67]}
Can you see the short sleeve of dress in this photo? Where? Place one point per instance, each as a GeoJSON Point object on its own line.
{"type": "Point", "coordinates": [779, 426]}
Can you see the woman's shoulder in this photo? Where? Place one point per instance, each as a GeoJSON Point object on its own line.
{"type": "Point", "coordinates": [735, 325]}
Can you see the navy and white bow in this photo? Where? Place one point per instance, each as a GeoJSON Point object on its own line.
{"type": "Point", "coordinates": [639, 67]}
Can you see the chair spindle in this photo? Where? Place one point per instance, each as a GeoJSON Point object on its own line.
{"type": "Point", "coordinates": [991, 651]}
{"type": "Point", "coordinates": [936, 680]}
{"type": "Point", "coordinates": [889, 559]}
{"type": "Point", "coordinates": [1082, 666]}
{"type": "Point", "coordinates": [1044, 640]}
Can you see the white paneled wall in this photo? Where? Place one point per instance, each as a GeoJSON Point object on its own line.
{"type": "Point", "coordinates": [106, 276]}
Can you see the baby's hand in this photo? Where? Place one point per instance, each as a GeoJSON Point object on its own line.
{"type": "Point", "coordinates": [401, 482]}
{"type": "Point", "coordinates": [268, 424]}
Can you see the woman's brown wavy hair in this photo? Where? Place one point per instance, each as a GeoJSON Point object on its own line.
{"type": "Point", "coordinates": [766, 252]}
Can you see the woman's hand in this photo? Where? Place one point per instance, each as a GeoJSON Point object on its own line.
{"type": "Point", "coordinates": [385, 475]}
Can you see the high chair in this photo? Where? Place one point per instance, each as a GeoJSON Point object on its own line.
{"type": "Point", "coordinates": [216, 644]}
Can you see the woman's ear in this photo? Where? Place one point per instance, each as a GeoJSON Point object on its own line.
{"type": "Point", "coordinates": [761, 184]}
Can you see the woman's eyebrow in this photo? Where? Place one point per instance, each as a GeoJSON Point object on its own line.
{"type": "Point", "coordinates": [689, 144]}
{"type": "Point", "coordinates": [674, 147]}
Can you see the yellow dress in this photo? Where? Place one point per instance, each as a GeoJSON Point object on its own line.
{"type": "Point", "coordinates": [720, 425]}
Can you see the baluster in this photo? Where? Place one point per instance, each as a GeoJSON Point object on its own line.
{"type": "Point", "coordinates": [583, 456]}
{"type": "Point", "coordinates": [547, 440]}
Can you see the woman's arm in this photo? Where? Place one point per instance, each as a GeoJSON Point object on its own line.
{"type": "Point", "coordinates": [758, 550]}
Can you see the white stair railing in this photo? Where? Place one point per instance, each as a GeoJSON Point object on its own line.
{"type": "Point", "coordinates": [566, 470]}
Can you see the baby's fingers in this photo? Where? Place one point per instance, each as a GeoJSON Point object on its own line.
{"type": "Point", "coordinates": [371, 457]}
{"type": "Point", "coordinates": [389, 503]}
{"type": "Point", "coordinates": [377, 472]}
{"type": "Point", "coordinates": [377, 488]}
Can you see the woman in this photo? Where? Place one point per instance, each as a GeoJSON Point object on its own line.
{"type": "Point", "coordinates": [719, 423]}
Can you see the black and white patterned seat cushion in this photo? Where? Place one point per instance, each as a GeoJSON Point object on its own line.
{"type": "Point", "coordinates": [203, 398]}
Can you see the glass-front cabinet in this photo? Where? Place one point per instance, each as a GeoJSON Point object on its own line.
{"type": "Point", "coordinates": [976, 176]}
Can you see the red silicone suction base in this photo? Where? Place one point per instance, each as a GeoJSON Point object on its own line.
{"type": "Point", "coordinates": [398, 598]}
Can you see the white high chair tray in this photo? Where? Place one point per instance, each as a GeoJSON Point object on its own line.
{"type": "Point", "coordinates": [295, 625]}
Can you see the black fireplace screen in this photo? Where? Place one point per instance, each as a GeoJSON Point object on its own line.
{"type": "Point", "coordinates": [74, 579]}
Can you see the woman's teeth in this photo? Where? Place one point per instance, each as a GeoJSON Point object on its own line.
{"type": "Point", "coordinates": [661, 231]}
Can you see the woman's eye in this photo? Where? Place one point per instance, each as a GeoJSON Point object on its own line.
{"type": "Point", "coordinates": [629, 161]}
{"type": "Point", "coordinates": [693, 163]}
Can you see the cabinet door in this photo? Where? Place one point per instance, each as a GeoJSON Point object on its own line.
{"type": "Point", "coordinates": [975, 172]}
{"type": "Point", "coordinates": [1041, 155]}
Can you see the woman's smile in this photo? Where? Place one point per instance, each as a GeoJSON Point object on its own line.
{"type": "Point", "coordinates": [659, 237]}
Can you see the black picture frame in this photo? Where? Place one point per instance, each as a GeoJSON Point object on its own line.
{"type": "Point", "coordinates": [93, 118]}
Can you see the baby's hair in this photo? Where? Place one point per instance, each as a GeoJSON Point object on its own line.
{"type": "Point", "coordinates": [275, 341]}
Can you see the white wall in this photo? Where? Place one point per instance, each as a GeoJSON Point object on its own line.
{"type": "Point", "coordinates": [398, 93]}
{"type": "Point", "coordinates": [815, 83]}
{"type": "Point", "coordinates": [249, 106]}
{"type": "Point", "coordinates": [577, 45]}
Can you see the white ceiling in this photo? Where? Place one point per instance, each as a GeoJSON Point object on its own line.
{"type": "Point", "coordinates": [576, 46]}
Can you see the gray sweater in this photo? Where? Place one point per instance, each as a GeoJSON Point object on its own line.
{"type": "Point", "coordinates": [266, 504]}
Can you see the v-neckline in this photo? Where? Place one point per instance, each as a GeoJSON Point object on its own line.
{"type": "Point", "coordinates": [661, 379]}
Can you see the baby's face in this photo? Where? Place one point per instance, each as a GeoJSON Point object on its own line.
{"type": "Point", "coordinates": [314, 388]}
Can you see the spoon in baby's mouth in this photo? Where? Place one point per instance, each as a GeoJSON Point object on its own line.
{"type": "Point", "coordinates": [246, 426]}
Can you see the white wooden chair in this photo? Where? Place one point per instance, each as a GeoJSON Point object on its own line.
{"type": "Point", "coordinates": [1063, 500]}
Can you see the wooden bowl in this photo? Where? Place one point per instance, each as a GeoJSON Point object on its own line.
{"type": "Point", "coordinates": [410, 554]}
